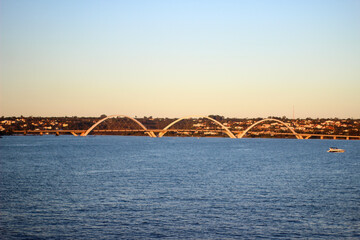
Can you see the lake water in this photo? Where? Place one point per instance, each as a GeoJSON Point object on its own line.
{"type": "Point", "coordinates": [114, 187]}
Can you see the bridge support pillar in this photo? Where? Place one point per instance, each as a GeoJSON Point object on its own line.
{"type": "Point", "coordinates": [321, 137]}
{"type": "Point", "coordinates": [334, 137]}
{"type": "Point", "coordinates": [308, 136]}
{"type": "Point", "coordinates": [151, 134]}
{"type": "Point", "coordinates": [239, 135]}
{"type": "Point", "coordinates": [347, 138]}
{"type": "Point", "coordinates": [74, 134]}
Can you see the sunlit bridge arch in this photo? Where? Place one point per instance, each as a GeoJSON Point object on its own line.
{"type": "Point", "coordinates": [150, 133]}
{"type": "Point", "coordinates": [227, 131]}
{"type": "Point", "coordinates": [241, 135]}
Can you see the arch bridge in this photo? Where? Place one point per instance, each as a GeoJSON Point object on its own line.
{"type": "Point", "coordinates": [242, 134]}
{"type": "Point", "coordinates": [227, 131]}
{"type": "Point", "coordinates": [150, 133]}
{"type": "Point", "coordinates": [162, 132]}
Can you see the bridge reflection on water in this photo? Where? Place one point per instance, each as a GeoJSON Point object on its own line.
{"type": "Point", "coordinates": [162, 132]}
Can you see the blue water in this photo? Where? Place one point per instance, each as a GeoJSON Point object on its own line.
{"type": "Point", "coordinates": [113, 187]}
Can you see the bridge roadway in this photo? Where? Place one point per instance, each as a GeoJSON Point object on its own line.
{"type": "Point", "coordinates": [237, 133]}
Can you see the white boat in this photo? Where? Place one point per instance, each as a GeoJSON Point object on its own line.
{"type": "Point", "coordinates": [335, 149]}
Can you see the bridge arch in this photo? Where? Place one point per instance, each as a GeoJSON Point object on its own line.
{"type": "Point", "coordinates": [241, 135]}
{"type": "Point", "coordinates": [150, 133]}
{"type": "Point", "coordinates": [227, 131]}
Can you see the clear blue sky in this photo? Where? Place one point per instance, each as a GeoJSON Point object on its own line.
{"type": "Point", "coordinates": [176, 58]}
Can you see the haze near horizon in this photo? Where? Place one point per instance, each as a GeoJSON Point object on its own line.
{"type": "Point", "coordinates": [178, 58]}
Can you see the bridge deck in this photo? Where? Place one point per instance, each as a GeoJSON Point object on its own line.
{"type": "Point", "coordinates": [75, 132]}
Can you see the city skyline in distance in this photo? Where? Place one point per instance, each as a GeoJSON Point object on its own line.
{"type": "Point", "coordinates": [179, 58]}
